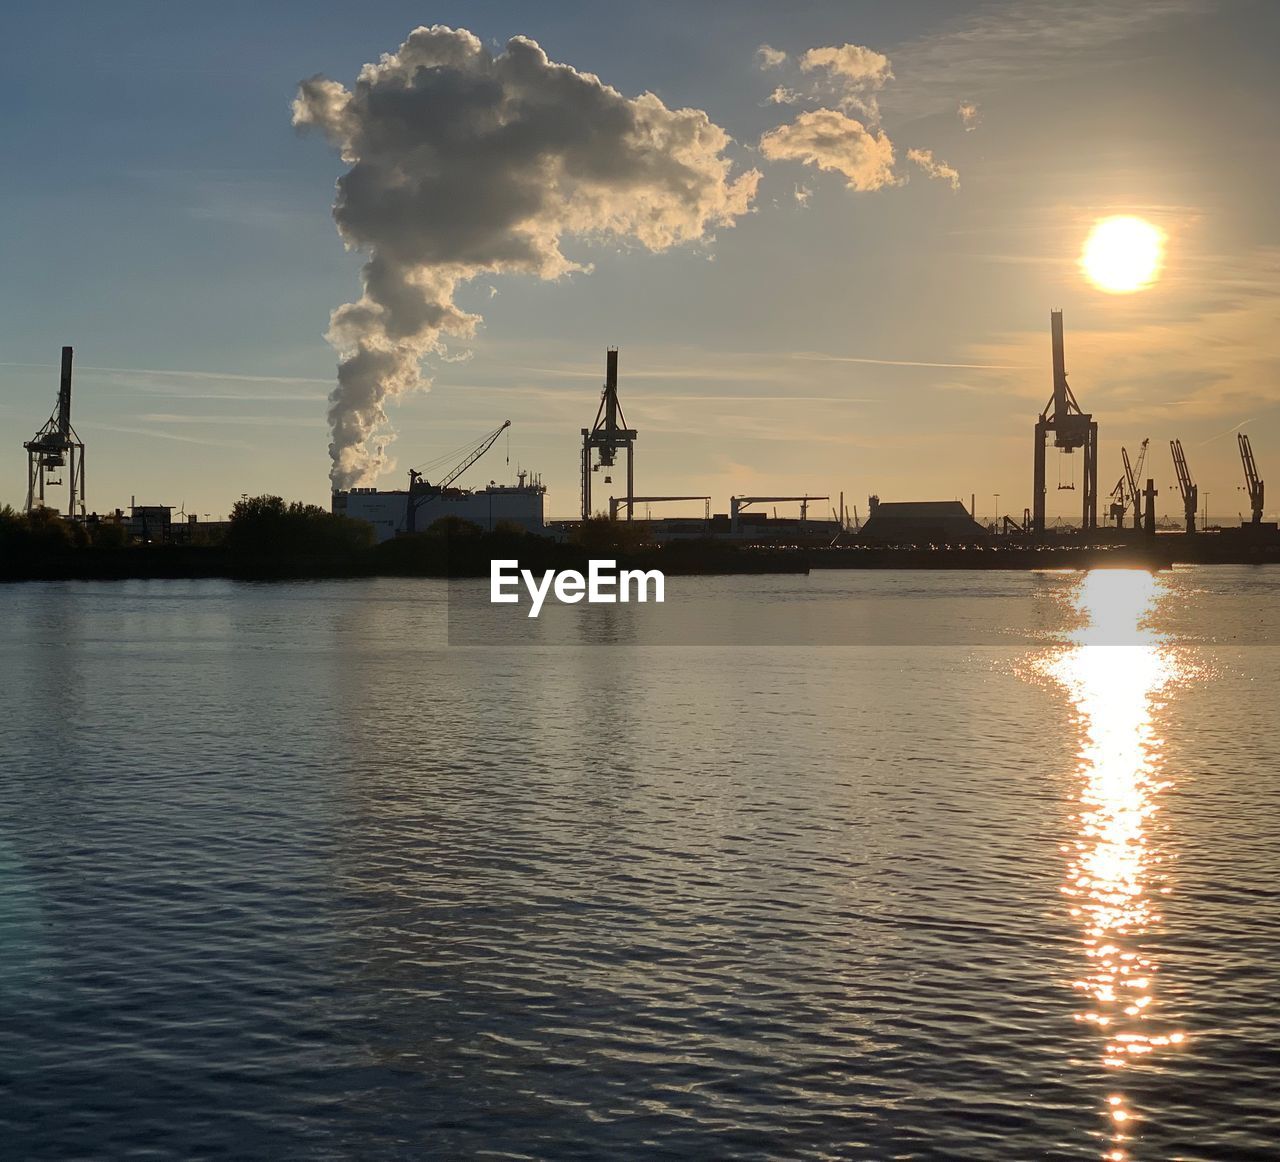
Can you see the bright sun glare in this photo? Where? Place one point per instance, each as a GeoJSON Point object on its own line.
{"type": "Point", "coordinates": [1123, 254]}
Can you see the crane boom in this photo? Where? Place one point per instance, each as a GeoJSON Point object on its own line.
{"type": "Point", "coordinates": [738, 503]}
{"type": "Point", "coordinates": [420, 491]}
{"type": "Point", "coordinates": [1253, 484]}
{"type": "Point", "coordinates": [484, 445]}
{"type": "Point", "coordinates": [1186, 486]}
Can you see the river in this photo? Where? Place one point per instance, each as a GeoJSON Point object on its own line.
{"type": "Point", "coordinates": [854, 865]}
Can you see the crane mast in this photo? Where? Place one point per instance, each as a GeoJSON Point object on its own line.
{"type": "Point", "coordinates": [1186, 486]}
{"type": "Point", "coordinates": [1072, 428]}
{"type": "Point", "coordinates": [1253, 484]}
{"type": "Point", "coordinates": [608, 436]}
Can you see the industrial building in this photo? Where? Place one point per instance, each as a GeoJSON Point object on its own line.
{"type": "Point", "coordinates": [921, 522]}
{"type": "Point", "coordinates": [390, 513]}
{"type": "Point", "coordinates": [418, 507]}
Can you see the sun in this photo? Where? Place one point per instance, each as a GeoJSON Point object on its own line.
{"type": "Point", "coordinates": [1123, 254]}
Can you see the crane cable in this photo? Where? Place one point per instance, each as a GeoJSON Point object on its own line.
{"type": "Point", "coordinates": [457, 454]}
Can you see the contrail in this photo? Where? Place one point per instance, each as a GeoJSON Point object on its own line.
{"type": "Point", "coordinates": [1222, 435]}
{"type": "Point", "coordinates": [818, 356]}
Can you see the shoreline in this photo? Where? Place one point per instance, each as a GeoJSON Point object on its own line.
{"type": "Point", "coordinates": [178, 562]}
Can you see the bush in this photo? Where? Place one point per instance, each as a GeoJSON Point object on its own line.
{"type": "Point", "coordinates": [602, 536]}
{"type": "Point", "coordinates": [265, 527]}
{"type": "Point", "coordinates": [110, 535]}
{"type": "Point", "coordinates": [453, 526]}
{"type": "Point", "coordinates": [40, 530]}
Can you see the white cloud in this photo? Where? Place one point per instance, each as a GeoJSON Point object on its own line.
{"type": "Point", "coordinates": [831, 141]}
{"type": "Point", "coordinates": [934, 167]}
{"type": "Point", "coordinates": [768, 57]}
{"type": "Point", "coordinates": [970, 116]}
{"type": "Point", "coordinates": [856, 72]}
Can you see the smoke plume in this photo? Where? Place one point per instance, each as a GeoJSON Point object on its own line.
{"type": "Point", "coordinates": [466, 163]}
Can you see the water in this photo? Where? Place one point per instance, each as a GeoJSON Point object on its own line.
{"type": "Point", "coordinates": [283, 874]}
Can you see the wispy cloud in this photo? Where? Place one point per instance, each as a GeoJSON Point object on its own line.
{"type": "Point", "coordinates": [157, 434]}
{"type": "Point", "coordinates": [257, 421]}
{"type": "Point", "coordinates": [1004, 45]}
{"type": "Point", "coordinates": [768, 57]}
{"type": "Point", "coordinates": [816, 355]}
{"type": "Point", "coordinates": [746, 366]}
{"type": "Point", "coordinates": [171, 373]}
{"type": "Point", "coordinates": [934, 167]}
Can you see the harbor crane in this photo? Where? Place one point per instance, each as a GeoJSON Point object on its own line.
{"type": "Point", "coordinates": [1186, 486]}
{"type": "Point", "coordinates": [1119, 508]}
{"type": "Point", "coordinates": [1133, 473]}
{"type": "Point", "coordinates": [607, 437]}
{"type": "Point", "coordinates": [1071, 428]}
{"type": "Point", "coordinates": [738, 503]}
{"type": "Point", "coordinates": [422, 492]}
{"type": "Point", "coordinates": [56, 446]}
{"type": "Point", "coordinates": [1253, 485]}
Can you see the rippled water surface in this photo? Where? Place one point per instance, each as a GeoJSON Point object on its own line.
{"type": "Point", "coordinates": [284, 874]}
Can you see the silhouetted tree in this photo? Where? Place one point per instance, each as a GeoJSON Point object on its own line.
{"type": "Point", "coordinates": [603, 536]}
{"type": "Point", "coordinates": [268, 528]}
{"type": "Point", "coordinates": [454, 526]}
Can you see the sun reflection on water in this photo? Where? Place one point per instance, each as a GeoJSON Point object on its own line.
{"type": "Point", "coordinates": [1115, 877]}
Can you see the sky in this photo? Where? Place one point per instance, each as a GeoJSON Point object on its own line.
{"type": "Point", "coordinates": [834, 276]}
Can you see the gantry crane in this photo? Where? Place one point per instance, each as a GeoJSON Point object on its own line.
{"type": "Point", "coordinates": [1253, 485]}
{"type": "Point", "coordinates": [1072, 428]}
{"type": "Point", "coordinates": [55, 446]}
{"type": "Point", "coordinates": [1186, 486]}
{"type": "Point", "coordinates": [422, 492]}
{"type": "Point", "coordinates": [607, 437]}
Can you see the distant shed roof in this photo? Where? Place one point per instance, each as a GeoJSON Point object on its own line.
{"type": "Point", "coordinates": [916, 521]}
